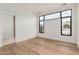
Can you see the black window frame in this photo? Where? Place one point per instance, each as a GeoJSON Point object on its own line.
{"type": "Point", "coordinates": [43, 23]}
{"type": "Point", "coordinates": [70, 22]}
{"type": "Point", "coordinates": [52, 13]}
{"type": "Point", "coordinates": [60, 22]}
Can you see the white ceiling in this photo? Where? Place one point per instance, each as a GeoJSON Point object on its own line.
{"type": "Point", "coordinates": [33, 7]}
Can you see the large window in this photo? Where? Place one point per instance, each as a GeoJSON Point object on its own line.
{"type": "Point", "coordinates": [52, 16]}
{"type": "Point", "coordinates": [66, 21]}
{"type": "Point", "coordinates": [66, 24]}
{"type": "Point", "coordinates": [41, 24]}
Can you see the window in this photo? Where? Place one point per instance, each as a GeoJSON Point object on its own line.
{"type": "Point", "coordinates": [41, 17]}
{"type": "Point", "coordinates": [52, 16]}
{"type": "Point", "coordinates": [66, 13]}
{"type": "Point", "coordinates": [66, 23]}
{"type": "Point", "coordinates": [41, 24]}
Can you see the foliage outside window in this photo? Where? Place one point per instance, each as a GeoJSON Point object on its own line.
{"type": "Point", "coordinates": [66, 21]}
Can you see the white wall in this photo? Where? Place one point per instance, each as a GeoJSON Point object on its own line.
{"type": "Point", "coordinates": [7, 26]}
{"type": "Point", "coordinates": [53, 27]}
{"type": "Point", "coordinates": [25, 26]}
{"type": "Point", "coordinates": [78, 25]}
{"type": "Point", "coordinates": [1, 30]}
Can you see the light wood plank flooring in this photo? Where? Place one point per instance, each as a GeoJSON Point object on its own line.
{"type": "Point", "coordinates": [40, 46]}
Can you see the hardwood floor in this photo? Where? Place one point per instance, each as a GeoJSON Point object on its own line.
{"type": "Point", "coordinates": [40, 46]}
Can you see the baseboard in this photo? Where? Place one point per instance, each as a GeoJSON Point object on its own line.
{"type": "Point", "coordinates": [27, 38]}
{"type": "Point", "coordinates": [9, 41]}
{"type": "Point", "coordinates": [78, 45]}
{"type": "Point", "coordinates": [17, 41]}
{"type": "Point", "coordinates": [1, 45]}
{"type": "Point", "coordinates": [57, 40]}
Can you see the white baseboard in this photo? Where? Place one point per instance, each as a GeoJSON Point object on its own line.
{"type": "Point", "coordinates": [23, 39]}
{"type": "Point", "coordinates": [1, 45]}
{"type": "Point", "coordinates": [58, 40]}
{"type": "Point", "coordinates": [78, 45]}
{"type": "Point", "coordinates": [7, 42]}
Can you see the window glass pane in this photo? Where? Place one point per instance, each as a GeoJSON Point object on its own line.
{"type": "Point", "coordinates": [41, 17]}
{"type": "Point", "coordinates": [66, 26]}
{"type": "Point", "coordinates": [66, 13]}
{"type": "Point", "coordinates": [51, 16]}
{"type": "Point", "coordinates": [41, 26]}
